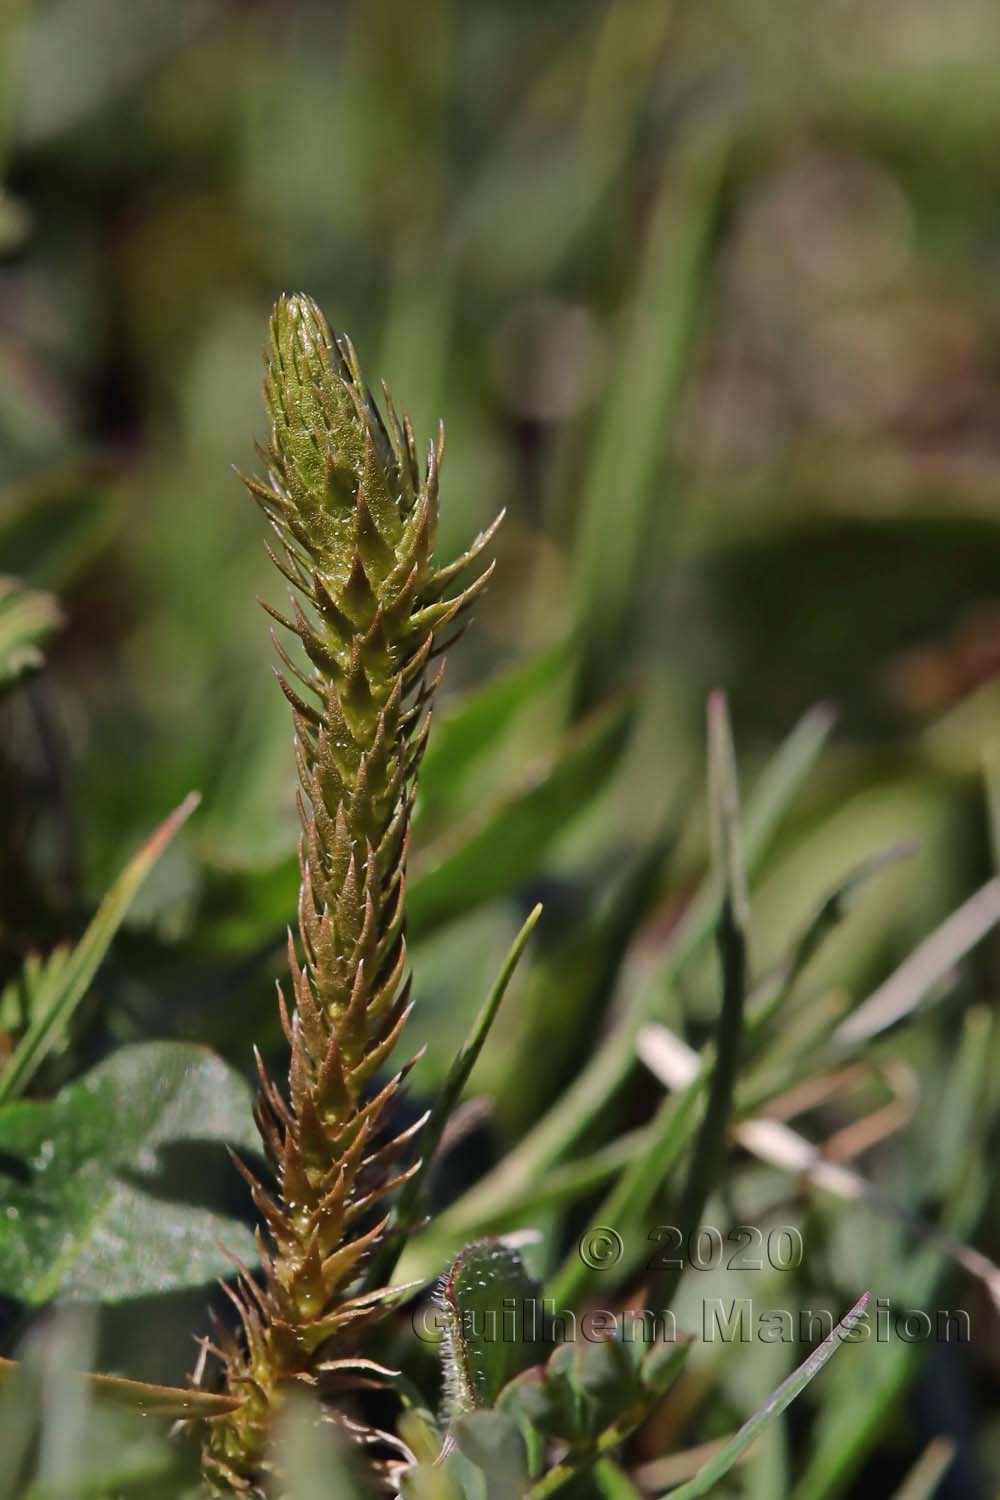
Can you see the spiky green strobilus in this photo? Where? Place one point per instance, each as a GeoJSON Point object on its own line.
{"type": "Point", "coordinates": [355, 518]}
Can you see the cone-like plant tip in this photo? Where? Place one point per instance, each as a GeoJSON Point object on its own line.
{"type": "Point", "coordinates": [355, 513]}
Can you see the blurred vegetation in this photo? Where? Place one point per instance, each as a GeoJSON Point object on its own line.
{"type": "Point", "coordinates": [709, 299]}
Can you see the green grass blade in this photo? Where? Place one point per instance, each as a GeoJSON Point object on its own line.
{"type": "Point", "coordinates": [710, 1146]}
{"type": "Point", "coordinates": [677, 1121]}
{"type": "Point", "coordinates": [991, 787]}
{"type": "Point", "coordinates": [847, 1429]}
{"type": "Point", "coordinates": [508, 845]}
{"type": "Point", "coordinates": [724, 812]}
{"type": "Point", "coordinates": [642, 399]}
{"type": "Point", "coordinates": [458, 1075]}
{"type": "Point", "coordinates": [847, 1433]}
{"type": "Point", "coordinates": [773, 995]}
{"type": "Point", "coordinates": [575, 973]}
{"type": "Point", "coordinates": [613, 1483]}
{"type": "Point", "coordinates": [74, 973]}
{"type": "Point", "coordinates": [478, 723]}
{"type": "Point", "coordinates": [724, 1460]}
{"type": "Point", "coordinates": [534, 1157]}
{"type": "Point", "coordinates": [671, 1133]}
{"type": "Point", "coordinates": [930, 962]}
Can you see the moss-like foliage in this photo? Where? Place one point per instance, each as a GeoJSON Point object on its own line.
{"type": "Point", "coordinates": [355, 517]}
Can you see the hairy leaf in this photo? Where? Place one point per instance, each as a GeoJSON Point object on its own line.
{"type": "Point", "coordinates": [491, 1310]}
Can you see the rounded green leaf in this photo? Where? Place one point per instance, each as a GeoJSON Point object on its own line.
{"type": "Point", "coordinates": [106, 1189]}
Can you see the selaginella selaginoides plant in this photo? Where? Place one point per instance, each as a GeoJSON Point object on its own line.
{"type": "Point", "coordinates": [355, 518]}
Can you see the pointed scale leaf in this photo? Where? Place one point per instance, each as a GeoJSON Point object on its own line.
{"type": "Point", "coordinates": [174, 1403]}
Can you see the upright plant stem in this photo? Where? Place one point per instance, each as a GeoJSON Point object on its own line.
{"type": "Point", "coordinates": [709, 1152]}
{"type": "Point", "coordinates": [355, 516]}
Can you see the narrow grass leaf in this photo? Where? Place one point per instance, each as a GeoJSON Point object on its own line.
{"type": "Point", "coordinates": [718, 1466]}
{"type": "Point", "coordinates": [524, 1167]}
{"type": "Point", "coordinates": [458, 1075]}
{"type": "Point", "coordinates": [669, 1136]}
{"type": "Point", "coordinates": [507, 847]}
{"type": "Point", "coordinates": [929, 963]}
{"type": "Point", "coordinates": [612, 1482]}
{"type": "Point", "coordinates": [991, 783]}
{"type": "Point", "coordinates": [640, 407]}
{"type": "Point", "coordinates": [575, 973]}
{"type": "Point", "coordinates": [56, 1441]}
{"type": "Point", "coordinates": [724, 811]}
{"type": "Point", "coordinates": [676, 1124]}
{"type": "Point", "coordinates": [477, 723]}
{"type": "Point", "coordinates": [57, 997]}
{"type": "Point", "coordinates": [829, 914]}
{"type": "Point", "coordinates": [709, 1152]}
{"type": "Point", "coordinates": [650, 1154]}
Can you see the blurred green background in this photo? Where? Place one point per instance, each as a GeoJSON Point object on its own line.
{"type": "Point", "coordinates": [709, 296]}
